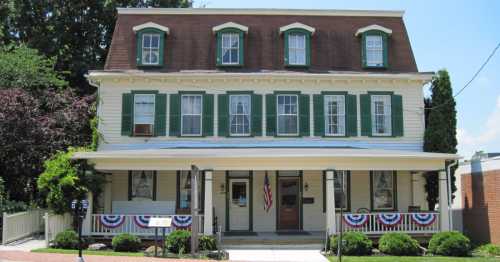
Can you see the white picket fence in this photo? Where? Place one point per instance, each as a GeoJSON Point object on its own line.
{"type": "Point", "coordinates": [20, 225]}
{"type": "Point", "coordinates": [55, 224]}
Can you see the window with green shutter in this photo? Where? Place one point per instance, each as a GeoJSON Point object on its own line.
{"type": "Point", "coordinates": [382, 114]}
{"type": "Point", "coordinates": [150, 44]}
{"type": "Point", "coordinates": [297, 47]}
{"type": "Point", "coordinates": [256, 126]}
{"type": "Point", "coordinates": [287, 114]}
{"type": "Point", "coordinates": [144, 113]}
{"type": "Point", "coordinates": [374, 49]}
{"type": "Point", "coordinates": [270, 115]}
{"type": "Point", "coordinates": [335, 114]}
{"type": "Point", "coordinates": [230, 47]}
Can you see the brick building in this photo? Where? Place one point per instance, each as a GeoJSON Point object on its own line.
{"type": "Point", "coordinates": [478, 183]}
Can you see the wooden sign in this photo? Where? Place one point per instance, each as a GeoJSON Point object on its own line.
{"type": "Point", "coordinates": [160, 222]}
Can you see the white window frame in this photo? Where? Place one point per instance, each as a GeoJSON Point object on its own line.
{"type": "Point", "coordinates": [249, 115]}
{"type": "Point", "coordinates": [387, 114]}
{"type": "Point", "coordinates": [297, 114]}
{"type": "Point", "coordinates": [392, 187]}
{"type": "Point", "coordinates": [231, 35]}
{"type": "Point", "coordinates": [296, 49]}
{"type": "Point", "coordinates": [150, 49]}
{"type": "Point", "coordinates": [341, 116]}
{"type": "Point", "coordinates": [373, 49]}
{"type": "Point", "coordinates": [201, 115]}
{"type": "Point", "coordinates": [154, 108]}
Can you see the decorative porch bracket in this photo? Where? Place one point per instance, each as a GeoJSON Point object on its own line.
{"type": "Point", "coordinates": [330, 203]}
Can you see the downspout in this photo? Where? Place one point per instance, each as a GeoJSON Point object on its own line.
{"type": "Point", "coordinates": [450, 199]}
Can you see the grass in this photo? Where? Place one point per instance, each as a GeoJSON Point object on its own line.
{"type": "Point", "coordinates": [412, 259]}
{"type": "Point", "coordinates": [88, 252]}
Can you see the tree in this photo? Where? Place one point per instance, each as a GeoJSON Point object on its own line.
{"type": "Point", "coordinates": [76, 33]}
{"type": "Point", "coordinates": [440, 132]}
{"type": "Point", "coordinates": [24, 67]}
{"type": "Point", "coordinates": [65, 179]}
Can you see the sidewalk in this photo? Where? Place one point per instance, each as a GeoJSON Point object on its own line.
{"type": "Point", "coordinates": [8, 256]}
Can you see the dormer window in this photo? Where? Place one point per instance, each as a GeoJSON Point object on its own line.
{"type": "Point", "coordinates": [374, 47]}
{"type": "Point", "coordinates": [297, 38]}
{"type": "Point", "coordinates": [230, 46]}
{"type": "Point", "coordinates": [150, 44]}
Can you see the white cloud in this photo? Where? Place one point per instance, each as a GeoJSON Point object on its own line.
{"type": "Point", "coordinates": [488, 138]}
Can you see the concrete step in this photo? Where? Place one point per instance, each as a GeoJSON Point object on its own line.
{"type": "Point", "coordinates": [318, 246]}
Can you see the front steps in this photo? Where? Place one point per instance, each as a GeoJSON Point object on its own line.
{"type": "Point", "coordinates": [271, 240]}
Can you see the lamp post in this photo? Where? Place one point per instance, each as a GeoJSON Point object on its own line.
{"type": "Point", "coordinates": [80, 207]}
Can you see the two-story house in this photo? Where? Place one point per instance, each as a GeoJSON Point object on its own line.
{"type": "Point", "coordinates": [286, 112]}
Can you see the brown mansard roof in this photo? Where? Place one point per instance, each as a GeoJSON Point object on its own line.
{"type": "Point", "coordinates": [191, 44]}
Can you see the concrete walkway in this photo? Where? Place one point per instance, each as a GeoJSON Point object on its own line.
{"type": "Point", "coordinates": [26, 244]}
{"type": "Point", "coordinates": [272, 254]}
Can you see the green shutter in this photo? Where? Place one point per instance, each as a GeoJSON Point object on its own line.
{"type": "Point", "coordinates": [397, 115]}
{"type": "Point", "coordinates": [160, 114]}
{"type": "Point", "coordinates": [304, 122]}
{"type": "Point", "coordinates": [223, 113]}
{"type": "Point", "coordinates": [270, 115]}
{"type": "Point", "coordinates": [366, 115]}
{"type": "Point", "coordinates": [308, 49]}
{"type": "Point", "coordinates": [218, 58]}
{"type": "Point", "coordinates": [138, 48]}
{"type": "Point", "coordinates": [363, 50]}
{"type": "Point", "coordinates": [127, 114]}
{"type": "Point", "coordinates": [351, 116]}
{"type": "Point", "coordinates": [242, 50]}
{"type": "Point", "coordinates": [319, 115]}
{"type": "Point", "coordinates": [256, 115]}
{"type": "Point", "coordinates": [286, 47]}
{"type": "Point", "coordinates": [175, 115]}
{"type": "Point", "coordinates": [208, 115]}
{"type": "Point", "coordinates": [162, 48]}
{"type": "Point", "coordinates": [386, 50]}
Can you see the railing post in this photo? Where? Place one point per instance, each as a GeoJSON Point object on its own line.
{"type": "Point", "coordinates": [47, 228]}
{"type": "Point", "coordinates": [4, 228]}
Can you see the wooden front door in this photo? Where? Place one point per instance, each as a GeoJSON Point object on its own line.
{"type": "Point", "coordinates": [289, 203]}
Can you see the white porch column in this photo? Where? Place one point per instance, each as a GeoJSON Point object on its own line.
{"type": "Point", "coordinates": [443, 202]}
{"type": "Point", "coordinates": [87, 222]}
{"type": "Point", "coordinates": [330, 203]}
{"type": "Point", "coordinates": [208, 223]}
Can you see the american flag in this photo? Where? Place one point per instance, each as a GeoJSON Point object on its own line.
{"type": "Point", "coordinates": [268, 196]}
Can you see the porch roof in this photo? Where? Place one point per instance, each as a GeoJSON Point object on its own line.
{"type": "Point", "coordinates": [261, 158]}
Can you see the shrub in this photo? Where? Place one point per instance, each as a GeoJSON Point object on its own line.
{"type": "Point", "coordinates": [488, 250]}
{"type": "Point", "coordinates": [207, 243]}
{"type": "Point", "coordinates": [449, 244]}
{"type": "Point", "coordinates": [398, 244]}
{"type": "Point", "coordinates": [179, 241]}
{"type": "Point", "coordinates": [66, 240]}
{"type": "Point", "coordinates": [356, 244]}
{"type": "Point", "coordinates": [126, 243]}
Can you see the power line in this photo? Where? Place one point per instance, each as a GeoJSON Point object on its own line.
{"type": "Point", "coordinates": [470, 81]}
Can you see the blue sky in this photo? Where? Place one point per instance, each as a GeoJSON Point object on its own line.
{"type": "Point", "coordinates": [456, 35]}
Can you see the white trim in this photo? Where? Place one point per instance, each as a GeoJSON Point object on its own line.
{"type": "Point", "coordinates": [243, 28]}
{"type": "Point", "coordinates": [151, 25]}
{"type": "Point", "coordinates": [373, 27]}
{"type": "Point", "coordinates": [298, 26]}
{"type": "Point", "coordinates": [257, 11]}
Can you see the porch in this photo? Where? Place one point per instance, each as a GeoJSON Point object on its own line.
{"type": "Point", "coordinates": [381, 191]}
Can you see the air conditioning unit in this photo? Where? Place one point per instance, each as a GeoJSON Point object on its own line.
{"type": "Point", "coordinates": [143, 129]}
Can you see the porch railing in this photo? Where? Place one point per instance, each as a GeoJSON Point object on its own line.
{"type": "Point", "coordinates": [129, 225]}
{"type": "Point", "coordinates": [406, 224]}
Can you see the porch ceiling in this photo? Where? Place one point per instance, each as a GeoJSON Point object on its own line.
{"type": "Point", "coordinates": [266, 159]}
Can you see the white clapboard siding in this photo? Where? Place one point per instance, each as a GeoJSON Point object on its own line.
{"type": "Point", "coordinates": [111, 104]}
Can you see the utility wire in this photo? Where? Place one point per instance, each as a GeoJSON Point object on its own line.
{"type": "Point", "coordinates": [470, 81]}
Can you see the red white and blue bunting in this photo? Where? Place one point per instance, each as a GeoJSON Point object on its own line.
{"type": "Point", "coordinates": [389, 219]}
{"type": "Point", "coordinates": [356, 220]}
{"type": "Point", "coordinates": [182, 222]}
{"type": "Point", "coordinates": [423, 219]}
{"type": "Point", "coordinates": [142, 221]}
{"type": "Point", "coordinates": [112, 221]}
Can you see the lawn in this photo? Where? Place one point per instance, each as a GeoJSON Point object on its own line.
{"type": "Point", "coordinates": [88, 252]}
{"type": "Point", "coordinates": [413, 259]}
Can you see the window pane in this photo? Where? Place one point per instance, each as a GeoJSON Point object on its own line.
{"type": "Point", "coordinates": [185, 190]}
{"type": "Point", "coordinates": [239, 111]}
{"type": "Point", "coordinates": [287, 114]}
{"type": "Point", "coordinates": [146, 41]}
{"type": "Point", "coordinates": [142, 185]}
{"type": "Point", "coordinates": [191, 107]}
{"type": "Point", "coordinates": [334, 114]}
{"type": "Point", "coordinates": [239, 193]}
{"type": "Point", "coordinates": [155, 41]}
{"type": "Point", "coordinates": [374, 50]}
{"type": "Point", "coordinates": [234, 56]}
{"type": "Point", "coordinates": [230, 48]}
{"type": "Point", "coordinates": [144, 108]}
{"type": "Point", "coordinates": [383, 190]}
{"type": "Point", "coordinates": [338, 177]}
{"type": "Point", "coordinates": [297, 49]}
{"type": "Point", "coordinates": [381, 115]}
